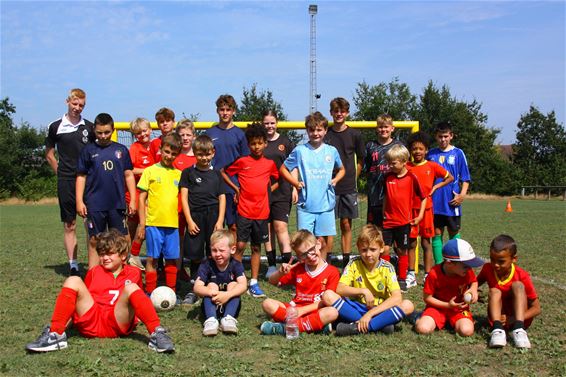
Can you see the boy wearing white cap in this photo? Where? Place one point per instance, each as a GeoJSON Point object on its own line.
{"type": "Point", "coordinates": [446, 288]}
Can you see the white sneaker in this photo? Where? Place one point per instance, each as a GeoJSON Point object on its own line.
{"type": "Point", "coordinates": [520, 338]}
{"type": "Point", "coordinates": [411, 280]}
{"type": "Point", "coordinates": [270, 271]}
{"type": "Point", "coordinates": [135, 261]}
{"type": "Point", "coordinates": [229, 325]}
{"type": "Point", "coordinates": [210, 327]}
{"type": "Point", "coordinates": [498, 338]}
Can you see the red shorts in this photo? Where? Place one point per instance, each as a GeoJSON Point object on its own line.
{"type": "Point", "coordinates": [425, 229]}
{"type": "Point", "coordinates": [440, 316]}
{"type": "Point", "coordinates": [100, 322]}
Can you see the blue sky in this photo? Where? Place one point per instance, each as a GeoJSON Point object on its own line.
{"type": "Point", "coordinates": [135, 57]}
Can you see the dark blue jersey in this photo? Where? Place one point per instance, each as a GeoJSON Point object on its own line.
{"type": "Point", "coordinates": [104, 168]}
{"type": "Point", "coordinates": [209, 273]}
{"type": "Point", "coordinates": [229, 144]}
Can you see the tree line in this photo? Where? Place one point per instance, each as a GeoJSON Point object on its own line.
{"type": "Point", "coordinates": [536, 159]}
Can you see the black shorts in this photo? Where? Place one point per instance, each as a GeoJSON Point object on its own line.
{"type": "Point", "coordinates": [450, 222]}
{"type": "Point", "coordinates": [280, 211]}
{"type": "Point", "coordinates": [196, 247]}
{"type": "Point", "coordinates": [100, 221]}
{"type": "Point", "coordinates": [375, 216]}
{"type": "Point", "coordinates": [346, 206]}
{"type": "Point", "coordinates": [399, 235]}
{"type": "Point", "coordinates": [67, 200]}
{"type": "Point", "coordinates": [257, 230]}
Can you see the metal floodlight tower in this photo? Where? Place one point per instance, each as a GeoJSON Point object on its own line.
{"type": "Point", "coordinates": [314, 96]}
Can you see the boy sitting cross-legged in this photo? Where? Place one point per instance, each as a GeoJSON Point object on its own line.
{"type": "Point", "coordinates": [107, 304]}
{"type": "Point", "coordinates": [221, 281]}
{"type": "Point", "coordinates": [311, 276]}
{"type": "Point", "coordinates": [372, 299]}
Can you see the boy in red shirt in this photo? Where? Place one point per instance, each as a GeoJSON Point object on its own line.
{"type": "Point", "coordinates": [513, 300]}
{"type": "Point", "coordinates": [445, 288]}
{"type": "Point", "coordinates": [401, 190]}
{"type": "Point", "coordinates": [106, 305]}
{"type": "Point", "coordinates": [254, 174]}
{"type": "Point", "coordinates": [426, 172]}
{"type": "Point", "coordinates": [311, 276]}
{"type": "Point", "coordinates": [165, 119]}
{"type": "Point", "coordinates": [141, 159]}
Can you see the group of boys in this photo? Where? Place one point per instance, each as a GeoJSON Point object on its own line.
{"type": "Point", "coordinates": [225, 177]}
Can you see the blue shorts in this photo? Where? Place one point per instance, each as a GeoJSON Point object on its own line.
{"type": "Point", "coordinates": [359, 309]}
{"type": "Point", "coordinates": [320, 224]}
{"type": "Point", "coordinates": [231, 213]}
{"type": "Point", "coordinates": [100, 221]}
{"type": "Point", "coordinates": [162, 240]}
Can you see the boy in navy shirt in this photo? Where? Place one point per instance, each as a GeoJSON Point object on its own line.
{"type": "Point", "coordinates": [104, 169]}
{"type": "Point", "coordinates": [220, 282]}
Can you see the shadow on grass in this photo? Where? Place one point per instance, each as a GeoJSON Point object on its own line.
{"type": "Point", "coordinates": [63, 269]}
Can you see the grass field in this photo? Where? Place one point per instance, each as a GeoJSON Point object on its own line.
{"type": "Point", "coordinates": [33, 266]}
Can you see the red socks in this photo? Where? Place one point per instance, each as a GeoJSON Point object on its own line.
{"type": "Point", "coordinates": [150, 281]}
{"type": "Point", "coordinates": [136, 247]}
{"type": "Point", "coordinates": [280, 315]}
{"type": "Point", "coordinates": [310, 323]}
{"type": "Point", "coordinates": [171, 276]}
{"type": "Point", "coordinates": [144, 310]}
{"type": "Point", "coordinates": [403, 266]}
{"type": "Point", "coordinates": [64, 309]}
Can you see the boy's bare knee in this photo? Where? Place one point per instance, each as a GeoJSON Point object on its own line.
{"type": "Point", "coordinates": [73, 282]}
{"type": "Point", "coordinates": [329, 297]}
{"type": "Point", "coordinates": [70, 226]}
{"type": "Point", "coordinates": [425, 325]}
{"type": "Point", "coordinates": [131, 288]}
{"type": "Point", "coordinates": [328, 314]}
{"type": "Point", "coordinates": [407, 307]}
{"type": "Point", "coordinates": [269, 306]}
{"type": "Point", "coordinates": [465, 327]}
{"type": "Point", "coordinates": [518, 286]}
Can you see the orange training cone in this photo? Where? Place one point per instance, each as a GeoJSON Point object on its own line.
{"type": "Point", "coordinates": [508, 208]}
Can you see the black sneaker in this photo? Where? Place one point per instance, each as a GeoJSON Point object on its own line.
{"type": "Point", "coordinates": [347, 329]}
{"type": "Point", "coordinates": [48, 341]}
{"type": "Point", "coordinates": [74, 271]}
{"type": "Point", "coordinates": [160, 341]}
{"type": "Point", "coordinates": [189, 300]}
{"type": "Point", "coordinates": [403, 285]}
{"type": "Point", "coordinates": [388, 330]}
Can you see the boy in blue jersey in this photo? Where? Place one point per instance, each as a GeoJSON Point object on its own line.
{"type": "Point", "coordinates": [447, 200]}
{"type": "Point", "coordinates": [372, 299]}
{"type": "Point", "coordinates": [316, 162]}
{"type": "Point", "coordinates": [229, 143]}
{"type": "Point", "coordinates": [104, 169]}
{"type": "Point", "coordinates": [220, 282]}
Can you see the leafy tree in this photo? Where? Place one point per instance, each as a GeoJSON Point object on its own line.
{"type": "Point", "coordinates": [393, 98]}
{"type": "Point", "coordinates": [254, 102]}
{"type": "Point", "coordinates": [540, 149]}
{"type": "Point", "coordinates": [22, 164]}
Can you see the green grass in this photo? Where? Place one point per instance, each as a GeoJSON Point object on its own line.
{"type": "Point", "coordinates": [33, 267]}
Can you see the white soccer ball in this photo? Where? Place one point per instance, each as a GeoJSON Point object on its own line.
{"type": "Point", "coordinates": [163, 299]}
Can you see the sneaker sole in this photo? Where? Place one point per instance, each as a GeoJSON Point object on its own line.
{"type": "Point", "coordinates": [160, 350]}
{"type": "Point", "coordinates": [210, 333]}
{"type": "Point", "coordinates": [499, 345]}
{"type": "Point", "coordinates": [256, 295]}
{"type": "Point", "coordinates": [53, 347]}
{"type": "Point", "coordinates": [229, 330]}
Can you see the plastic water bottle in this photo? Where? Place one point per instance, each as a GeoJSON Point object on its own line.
{"type": "Point", "coordinates": [291, 323]}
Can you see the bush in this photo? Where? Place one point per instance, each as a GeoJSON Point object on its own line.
{"type": "Point", "coordinates": [34, 187]}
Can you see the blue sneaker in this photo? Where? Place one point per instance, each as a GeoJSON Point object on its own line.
{"type": "Point", "coordinates": [272, 328]}
{"type": "Point", "coordinates": [255, 291]}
